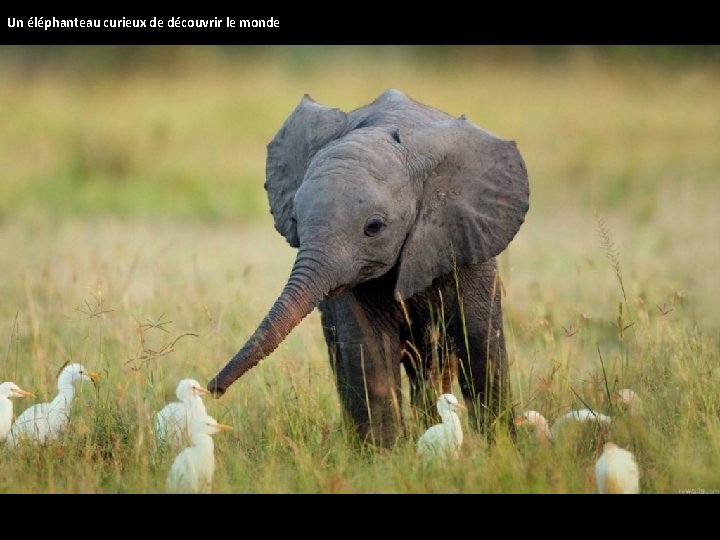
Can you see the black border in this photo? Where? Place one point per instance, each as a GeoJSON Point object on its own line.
{"type": "Point", "coordinates": [360, 24]}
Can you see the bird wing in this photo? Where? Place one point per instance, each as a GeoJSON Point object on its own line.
{"type": "Point", "coordinates": [582, 416]}
{"type": "Point", "coordinates": [601, 473]}
{"type": "Point", "coordinates": [182, 477]}
{"type": "Point", "coordinates": [34, 423]}
{"type": "Point", "coordinates": [57, 420]}
{"type": "Point", "coordinates": [205, 474]}
{"type": "Point", "coordinates": [171, 423]}
{"type": "Point", "coordinates": [432, 441]}
{"type": "Point", "coordinates": [32, 414]}
{"type": "Point", "coordinates": [586, 415]}
{"type": "Point", "coordinates": [622, 474]}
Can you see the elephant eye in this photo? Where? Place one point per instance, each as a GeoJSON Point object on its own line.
{"type": "Point", "coordinates": [374, 225]}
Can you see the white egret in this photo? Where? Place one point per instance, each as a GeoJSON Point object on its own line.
{"type": "Point", "coordinates": [47, 421]}
{"type": "Point", "coordinates": [544, 432]}
{"type": "Point", "coordinates": [583, 416]}
{"type": "Point", "coordinates": [534, 418]}
{"type": "Point", "coordinates": [172, 422]}
{"type": "Point", "coordinates": [193, 468]}
{"type": "Point", "coordinates": [629, 398]}
{"type": "Point", "coordinates": [8, 390]}
{"type": "Point", "coordinates": [443, 440]}
{"type": "Point", "coordinates": [616, 471]}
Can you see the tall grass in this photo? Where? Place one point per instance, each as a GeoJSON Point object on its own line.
{"type": "Point", "coordinates": [135, 239]}
{"type": "Point", "coordinates": [289, 434]}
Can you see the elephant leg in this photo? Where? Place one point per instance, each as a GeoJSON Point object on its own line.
{"type": "Point", "coordinates": [364, 352]}
{"type": "Point", "coordinates": [427, 360]}
{"type": "Point", "coordinates": [477, 335]}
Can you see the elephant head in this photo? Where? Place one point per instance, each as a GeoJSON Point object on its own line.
{"type": "Point", "coordinates": [392, 185]}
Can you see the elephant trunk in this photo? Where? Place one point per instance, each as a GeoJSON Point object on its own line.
{"type": "Point", "coordinates": [307, 285]}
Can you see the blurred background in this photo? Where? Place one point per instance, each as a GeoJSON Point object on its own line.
{"type": "Point", "coordinates": [159, 143]}
{"type": "Point", "coordinates": [178, 134]}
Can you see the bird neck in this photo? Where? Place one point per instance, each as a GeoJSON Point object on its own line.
{"type": "Point", "coordinates": [452, 422]}
{"type": "Point", "coordinates": [64, 398]}
{"type": "Point", "coordinates": [542, 429]}
{"type": "Point", "coordinates": [196, 405]}
{"type": "Point", "coordinates": [6, 405]}
{"type": "Point", "coordinates": [446, 414]}
{"type": "Point", "coordinates": [65, 379]}
{"type": "Point", "coordinates": [6, 416]}
{"type": "Point", "coordinates": [203, 442]}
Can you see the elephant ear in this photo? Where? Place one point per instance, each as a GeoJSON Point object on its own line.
{"type": "Point", "coordinates": [475, 196]}
{"type": "Point", "coordinates": [310, 127]}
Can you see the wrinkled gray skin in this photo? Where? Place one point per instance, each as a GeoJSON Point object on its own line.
{"type": "Point", "coordinates": [383, 204]}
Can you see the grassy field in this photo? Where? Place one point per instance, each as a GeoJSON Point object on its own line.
{"type": "Point", "coordinates": [132, 214]}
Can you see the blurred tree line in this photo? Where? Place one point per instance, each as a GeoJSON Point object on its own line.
{"type": "Point", "coordinates": [114, 59]}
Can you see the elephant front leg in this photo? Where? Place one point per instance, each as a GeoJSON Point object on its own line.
{"type": "Point", "coordinates": [480, 347]}
{"type": "Point", "coordinates": [369, 389]}
{"type": "Point", "coordinates": [364, 357]}
{"type": "Point", "coordinates": [429, 366]}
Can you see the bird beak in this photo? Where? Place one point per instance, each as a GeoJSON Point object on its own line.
{"type": "Point", "coordinates": [461, 407]}
{"type": "Point", "coordinates": [225, 427]}
{"type": "Point", "coordinates": [25, 393]}
{"type": "Point", "coordinates": [519, 421]}
{"type": "Point", "coordinates": [94, 376]}
{"type": "Point", "coordinates": [201, 390]}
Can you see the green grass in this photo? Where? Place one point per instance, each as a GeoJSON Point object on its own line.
{"type": "Point", "coordinates": [136, 197]}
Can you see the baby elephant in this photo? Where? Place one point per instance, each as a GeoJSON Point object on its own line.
{"type": "Point", "coordinates": [397, 211]}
